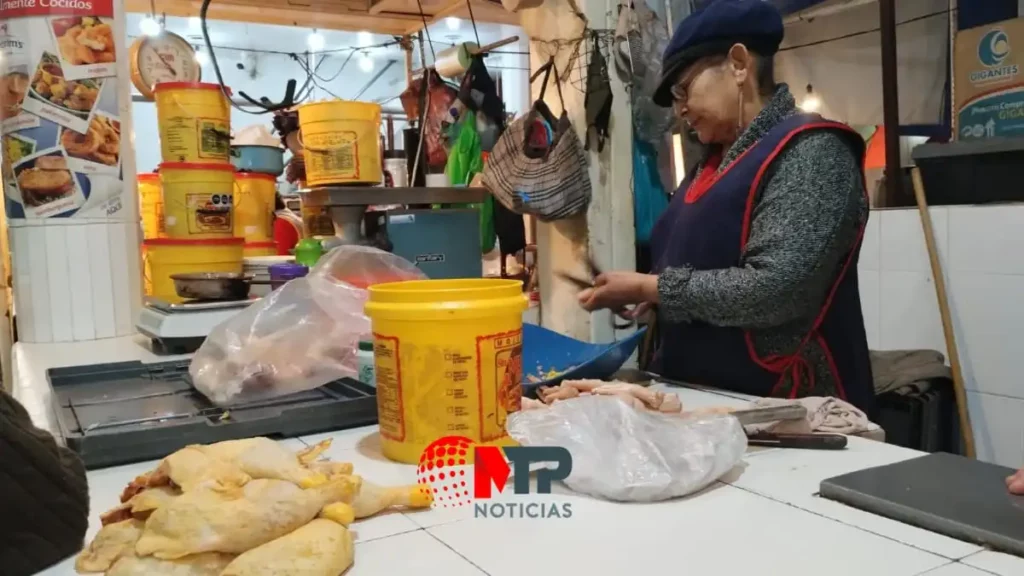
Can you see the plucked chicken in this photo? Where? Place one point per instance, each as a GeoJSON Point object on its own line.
{"type": "Point", "coordinates": [238, 520]}
{"type": "Point", "coordinates": [240, 508]}
{"type": "Point", "coordinates": [320, 548]}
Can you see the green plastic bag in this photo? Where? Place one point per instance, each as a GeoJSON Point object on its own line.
{"type": "Point", "coordinates": [465, 160]}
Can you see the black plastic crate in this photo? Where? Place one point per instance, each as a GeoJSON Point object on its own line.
{"type": "Point", "coordinates": [112, 414]}
{"type": "Point", "coordinates": [923, 421]}
{"type": "Point", "coordinates": [971, 172]}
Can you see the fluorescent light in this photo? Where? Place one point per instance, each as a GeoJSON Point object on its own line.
{"type": "Point", "coordinates": [364, 38]}
{"type": "Point", "coordinates": [149, 26]}
{"type": "Point", "coordinates": [315, 41]}
{"type": "Point", "coordinates": [202, 58]}
{"type": "Point", "coordinates": [195, 23]}
{"type": "Point", "coordinates": [453, 23]}
{"type": "Point", "coordinates": [366, 63]}
{"type": "Point", "coordinates": [811, 103]}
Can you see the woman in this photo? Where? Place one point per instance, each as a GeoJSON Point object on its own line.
{"type": "Point", "coordinates": [44, 499]}
{"type": "Point", "coordinates": [755, 260]}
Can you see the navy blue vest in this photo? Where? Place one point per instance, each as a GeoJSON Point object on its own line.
{"type": "Point", "coordinates": [710, 232]}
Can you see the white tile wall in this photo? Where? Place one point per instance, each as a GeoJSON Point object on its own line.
{"type": "Point", "coordinates": [982, 253]}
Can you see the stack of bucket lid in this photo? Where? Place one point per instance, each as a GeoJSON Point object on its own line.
{"type": "Point", "coordinates": [197, 186]}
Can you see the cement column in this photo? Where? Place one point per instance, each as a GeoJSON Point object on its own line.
{"type": "Point", "coordinates": [607, 230]}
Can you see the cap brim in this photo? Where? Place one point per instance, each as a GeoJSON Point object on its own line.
{"type": "Point", "coordinates": [663, 93]}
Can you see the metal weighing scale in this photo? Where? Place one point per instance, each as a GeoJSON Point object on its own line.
{"type": "Point", "coordinates": [180, 328]}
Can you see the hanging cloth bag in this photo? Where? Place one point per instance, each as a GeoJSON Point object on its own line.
{"type": "Point", "coordinates": [538, 166]}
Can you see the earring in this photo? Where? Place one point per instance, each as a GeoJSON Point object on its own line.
{"type": "Point", "coordinates": [739, 115]}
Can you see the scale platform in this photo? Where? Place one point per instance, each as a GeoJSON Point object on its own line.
{"type": "Point", "coordinates": [181, 328]}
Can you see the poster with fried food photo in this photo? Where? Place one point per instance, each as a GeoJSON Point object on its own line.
{"type": "Point", "coordinates": [15, 147]}
{"type": "Point", "coordinates": [98, 149]}
{"type": "Point", "coordinates": [46, 185]}
{"type": "Point", "coordinates": [85, 46]}
{"type": "Point", "coordinates": [56, 98]}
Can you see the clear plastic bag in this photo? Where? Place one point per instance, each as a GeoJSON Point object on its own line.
{"type": "Point", "coordinates": [629, 455]}
{"type": "Point", "coordinates": [300, 336]}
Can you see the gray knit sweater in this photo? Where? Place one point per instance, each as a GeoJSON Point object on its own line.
{"type": "Point", "coordinates": [806, 219]}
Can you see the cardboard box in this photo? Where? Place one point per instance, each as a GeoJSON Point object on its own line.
{"type": "Point", "coordinates": [988, 89]}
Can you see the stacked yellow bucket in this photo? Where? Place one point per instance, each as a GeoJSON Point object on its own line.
{"type": "Point", "coordinates": [196, 184]}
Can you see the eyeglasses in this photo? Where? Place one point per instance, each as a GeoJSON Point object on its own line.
{"type": "Point", "coordinates": [681, 89]}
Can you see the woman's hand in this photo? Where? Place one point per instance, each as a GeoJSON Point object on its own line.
{"type": "Point", "coordinates": [617, 290]}
{"type": "Point", "coordinates": [1016, 482]}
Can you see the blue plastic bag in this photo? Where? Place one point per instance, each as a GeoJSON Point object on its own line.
{"type": "Point", "coordinates": [649, 197]}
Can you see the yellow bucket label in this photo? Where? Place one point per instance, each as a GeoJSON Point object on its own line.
{"type": "Point", "coordinates": [457, 390]}
{"type": "Point", "coordinates": [188, 139]}
{"type": "Point", "coordinates": [317, 221]}
{"type": "Point", "coordinates": [332, 155]}
{"type": "Point", "coordinates": [209, 213]}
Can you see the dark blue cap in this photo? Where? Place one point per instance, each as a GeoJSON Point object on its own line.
{"type": "Point", "coordinates": [713, 29]}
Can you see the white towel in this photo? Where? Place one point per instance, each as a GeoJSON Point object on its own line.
{"type": "Point", "coordinates": [824, 414]}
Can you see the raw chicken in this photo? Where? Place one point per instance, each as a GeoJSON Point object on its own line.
{"type": "Point", "coordinates": [209, 564]}
{"type": "Point", "coordinates": [192, 468]}
{"type": "Point", "coordinates": [331, 469]}
{"type": "Point", "coordinates": [140, 505]}
{"type": "Point", "coordinates": [637, 396]}
{"type": "Point", "coordinates": [112, 542]}
{"type": "Point", "coordinates": [265, 458]}
{"type": "Point", "coordinates": [237, 520]}
{"type": "Point", "coordinates": [372, 499]}
{"type": "Point", "coordinates": [320, 548]}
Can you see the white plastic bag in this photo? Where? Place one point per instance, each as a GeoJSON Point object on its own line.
{"type": "Point", "coordinates": [302, 335]}
{"type": "Point", "coordinates": [621, 453]}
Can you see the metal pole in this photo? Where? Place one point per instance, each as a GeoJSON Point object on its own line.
{"type": "Point", "coordinates": [890, 102]}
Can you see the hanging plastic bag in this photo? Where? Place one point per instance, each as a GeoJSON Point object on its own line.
{"type": "Point", "coordinates": [629, 455]}
{"type": "Point", "coordinates": [300, 336]}
{"type": "Point", "coordinates": [649, 198]}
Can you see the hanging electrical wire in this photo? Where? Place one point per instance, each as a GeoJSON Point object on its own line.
{"type": "Point", "coordinates": [264, 103]}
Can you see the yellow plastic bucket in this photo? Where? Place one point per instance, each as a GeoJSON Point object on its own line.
{"type": "Point", "coordinates": [151, 204]}
{"type": "Point", "coordinates": [340, 142]}
{"type": "Point", "coordinates": [257, 249]}
{"type": "Point", "coordinates": [147, 275]}
{"type": "Point", "coordinates": [253, 206]}
{"type": "Point", "coordinates": [195, 122]}
{"type": "Point", "coordinates": [167, 256]}
{"type": "Point", "coordinates": [448, 359]}
{"type": "Point", "coordinates": [197, 200]}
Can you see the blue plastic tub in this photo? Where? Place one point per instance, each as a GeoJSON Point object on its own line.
{"type": "Point", "coordinates": [545, 350]}
{"type": "Point", "coordinates": [255, 158]}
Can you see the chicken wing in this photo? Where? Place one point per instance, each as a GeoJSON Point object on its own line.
{"type": "Point", "coordinates": [320, 548]}
{"type": "Point", "coordinates": [112, 542]}
{"type": "Point", "coordinates": [264, 458]}
{"type": "Point", "coordinates": [192, 468]}
{"type": "Point", "coordinates": [238, 519]}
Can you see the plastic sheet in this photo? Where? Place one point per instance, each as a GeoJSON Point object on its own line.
{"type": "Point", "coordinates": [302, 335]}
{"type": "Point", "coordinates": [630, 455]}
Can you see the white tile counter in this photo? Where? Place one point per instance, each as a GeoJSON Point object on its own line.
{"type": "Point", "coordinates": [763, 517]}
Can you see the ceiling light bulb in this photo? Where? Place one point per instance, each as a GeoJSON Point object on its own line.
{"type": "Point", "coordinates": [315, 41]}
{"type": "Point", "coordinates": [453, 23]}
{"type": "Point", "coordinates": [364, 38]}
{"type": "Point", "coordinates": [366, 63]}
{"type": "Point", "coordinates": [202, 58]}
{"type": "Point", "coordinates": [195, 23]}
{"type": "Point", "coordinates": [149, 26]}
{"type": "Point", "coordinates": [811, 103]}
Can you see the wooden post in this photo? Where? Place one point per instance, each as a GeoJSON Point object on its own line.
{"type": "Point", "coordinates": [890, 103]}
{"type": "Point", "coordinates": [406, 44]}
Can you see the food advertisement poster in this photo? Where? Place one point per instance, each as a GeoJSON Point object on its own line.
{"type": "Point", "coordinates": [989, 87]}
{"type": "Point", "coordinates": [61, 135]}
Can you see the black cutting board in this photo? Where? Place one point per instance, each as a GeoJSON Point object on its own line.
{"type": "Point", "coordinates": [952, 495]}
